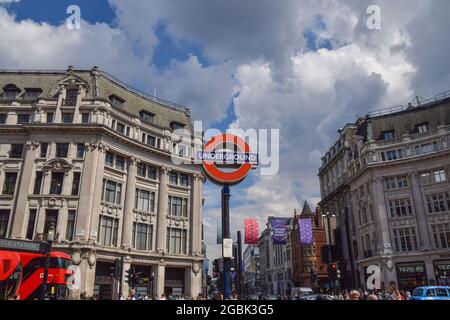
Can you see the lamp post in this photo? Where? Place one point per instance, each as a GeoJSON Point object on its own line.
{"type": "Point", "coordinates": [152, 278]}
{"type": "Point", "coordinates": [50, 239]}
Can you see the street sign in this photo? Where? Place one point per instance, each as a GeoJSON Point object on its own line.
{"type": "Point", "coordinates": [26, 246]}
{"type": "Point", "coordinates": [227, 248]}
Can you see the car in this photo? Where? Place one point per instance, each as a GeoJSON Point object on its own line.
{"type": "Point", "coordinates": [431, 293]}
{"type": "Point", "coordinates": [316, 297]}
{"type": "Point", "coordinates": [301, 291]}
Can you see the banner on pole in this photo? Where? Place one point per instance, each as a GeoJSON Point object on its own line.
{"type": "Point", "coordinates": [251, 231]}
{"type": "Point", "coordinates": [306, 233]}
{"type": "Point", "coordinates": [279, 229]}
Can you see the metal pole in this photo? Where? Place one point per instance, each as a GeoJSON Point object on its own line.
{"type": "Point", "coordinates": [226, 235]}
{"type": "Point", "coordinates": [45, 276]}
{"type": "Point", "coordinates": [239, 256]}
{"type": "Point", "coordinates": [121, 278]}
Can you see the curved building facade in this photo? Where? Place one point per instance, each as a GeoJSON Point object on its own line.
{"type": "Point", "coordinates": [83, 152]}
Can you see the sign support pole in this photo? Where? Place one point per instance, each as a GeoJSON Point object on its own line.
{"type": "Point", "coordinates": [225, 235]}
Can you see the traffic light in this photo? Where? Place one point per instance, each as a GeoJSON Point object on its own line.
{"type": "Point", "coordinates": [332, 271]}
{"type": "Point", "coordinates": [129, 277]}
{"type": "Point", "coordinates": [117, 268]}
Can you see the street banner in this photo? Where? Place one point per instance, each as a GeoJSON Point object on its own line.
{"type": "Point", "coordinates": [219, 231]}
{"type": "Point", "coordinates": [306, 233]}
{"type": "Point", "coordinates": [251, 231]}
{"type": "Point", "coordinates": [279, 229]}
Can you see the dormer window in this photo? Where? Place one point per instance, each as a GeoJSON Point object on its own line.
{"type": "Point", "coordinates": [116, 101]}
{"type": "Point", "coordinates": [71, 97]}
{"type": "Point", "coordinates": [146, 116]}
{"type": "Point", "coordinates": [176, 125]}
{"type": "Point", "coordinates": [423, 127]}
{"type": "Point", "coordinates": [388, 135]}
{"type": "Point", "coordinates": [10, 92]}
{"type": "Point", "coordinates": [32, 93]}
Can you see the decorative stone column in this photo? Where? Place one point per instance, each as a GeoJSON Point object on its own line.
{"type": "Point", "coordinates": [196, 221]}
{"type": "Point", "coordinates": [381, 216]}
{"type": "Point", "coordinates": [162, 211]}
{"type": "Point", "coordinates": [91, 172]}
{"type": "Point", "coordinates": [420, 212]}
{"type": "Point", "coordinates": [194, 279]}
{"type": "Point", "coordinates": [85, 258]}
{"type": "Point", "coordinates": [160, 278]}
{"type": "Point", "coordinates": [98, 190]}
{"type": "Point", "coordinates": [20, 213]}
{"type": "Point", "coordinates": [129, 203]}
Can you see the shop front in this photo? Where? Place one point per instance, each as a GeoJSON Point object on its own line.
{"type": "Point", "coordinates": [411, 275]}
{"type": "Point", "coordinates": [442, 272]}
{"type": "Point", "coordinates": [104, 282]}
{"type": "Point", "coordinates": [174, 283]}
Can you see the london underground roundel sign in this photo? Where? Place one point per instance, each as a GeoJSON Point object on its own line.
{"type": "Point", "coordinates": [239, 163]}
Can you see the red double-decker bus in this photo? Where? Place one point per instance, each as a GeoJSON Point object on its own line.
{"type": "Point", "coordinates": [33, 273]}
{"type": "Point", "coordinates": [10, 275]}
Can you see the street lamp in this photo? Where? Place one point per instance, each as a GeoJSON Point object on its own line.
{"type": "Point", "coordinates": [50, 239]}
{"type": "Point", "coordinates": [152, 278]}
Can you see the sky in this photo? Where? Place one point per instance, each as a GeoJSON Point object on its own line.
{"type": "Point", "coordinates": [305, 67]}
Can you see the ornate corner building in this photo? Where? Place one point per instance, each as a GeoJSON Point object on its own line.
{"type": "Point", "coordinates": [84, 152]}
{"type": "Point", "coordinates": [386, 178]}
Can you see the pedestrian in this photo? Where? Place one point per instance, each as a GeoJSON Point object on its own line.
{"type": "Point", "coordinates": [395, 293]}
{"type": "Point", "coordinates": [372, 296]}
{"type": "Point", "coordinates": [354, 295]}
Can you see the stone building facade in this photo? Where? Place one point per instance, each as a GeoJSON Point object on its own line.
{"type": "Point", "coordinates": [275, 261]}
{"type": "Point", "coordinates": [307, 266]}
{"type": "Point", "coordinates": [387, 180]}
{"type": "Point", "coordinates": [83, 151]}
{"type": "Point", "coordinates": [250, 259]}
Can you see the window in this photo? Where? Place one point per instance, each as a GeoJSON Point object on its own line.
{"type": "Point", "coordinates": [31, 224]}
{"type": "Point", "coordinates": [422, 127]}
{"type": "Point", "coordinates": [400, 208]}
{"type": "Point", "coordinates": [146, 116]}
{"type": "Point", "coordinates": [184, 180]}
{"type": "Point", "coordinates": [391, 155]}
{"type": "Point", "coordinates": [151, 172]}
{"type": "Point", "coordinates": [176, 241]}
{"type": "Point", "coordinates": [177, 206]}
{"type": "Point", "coordinates": [142, 236]}
{"type": "Point", "coordinates": [141, 170]}
{"type": "Point", "coordinates": [3, 117]}
{"type": "Point", "coordinates": [388, 135]}
{"type": "Point", "coordinates": [80, 150]}
{"type": "Point", "coordinates": [399, 182]}
{"type": "Point", "coordinates": [38, 182]}
{"type": "Point", "coordinates": [51, 219]}
{"type": "Point", "coordinates": [4, 219]}
{"type": "Point", "coordinates": [405, 239]}
{"type": "Point", "coordinates": [85, 118]}
{"type": "Point", "coordinates": [71, 97]}
{"type": "Point", "coordinates": [116, 101]}
{"type": "Point", "coordinates": [76, 183]}
{"type": "Point", "coordinates": [49, 117]}
{"type": "Point", "coordinates": [10, 92]}
{"type": "Point", "coordinates": [433, 176]}
{"type": "Point", "coordinates": [151, 140]}
{"type": "Point", "coordinates": [438, 202]}
{"type": "Point", "coordinates": [70, 225]}
{"type": "Point", "coordinates": [56, 183]}
{"type": "Point", "coordinates": [120, 163]}
{"type": "Point", "coordinates": [176, 125]}
{"type": "Point", "coordinates": [173, 178]}
{"type": "Point", "coordinates": [120, 128]}
{"type": "Point", "coordinates": [112, 191]}
{"type": "Point", "coordinates": [67, 117]}
{"type": "Point", "coordinates": [107, 233]}
{"type": "Point", "coordinates": [16, 151]}
{"type": "Point", "coordinates": [9, 185]}
{"type": "Point", "coordinates": [424, 148]}
{"type": "Point", "coordinates": [62, 150]}
{"type": "Point", "coordinates": [441, 235]}
{"type": "Point", "coordinates": [144, 200]}
{"type": "Point", "coordinates": [23, 118]}
{"type": "Point", "coordinates": [43, 150]}
{"type": "Point", "coordinates": [32, 93]}
{"type": "Point", "coordinates": [109, 159]}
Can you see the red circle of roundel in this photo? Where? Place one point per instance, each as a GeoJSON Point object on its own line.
{"type": "Point", "coordinates": [226, 177]}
